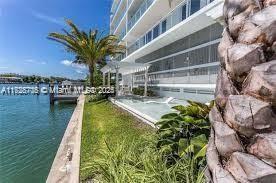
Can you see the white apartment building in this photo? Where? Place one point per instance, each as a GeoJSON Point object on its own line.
{"type": "Point", "coordinates": [177, 38]}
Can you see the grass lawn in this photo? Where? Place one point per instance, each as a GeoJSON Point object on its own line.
{"type": "Point", "coordinates": [105, 123]}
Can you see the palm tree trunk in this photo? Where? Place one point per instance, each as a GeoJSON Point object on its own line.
{"type": "Point", "coordinates": [242, 146]}
{"type": "Point", "coordinates": [91, 75]}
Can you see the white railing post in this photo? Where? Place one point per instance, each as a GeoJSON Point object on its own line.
{"type": "Point", "coordinates": [146, 83]}
{"type": "Point", "coordinates": [131, 86]}
{"type": "Point", "coordinates": [108, 79]}
{"type": "Point", "coordinates": [117, 80]}
{"type": "Point", "coordinates": [103, 79]}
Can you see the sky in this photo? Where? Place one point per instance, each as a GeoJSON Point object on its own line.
{"type": "Point", "coordinates": [25, 24]}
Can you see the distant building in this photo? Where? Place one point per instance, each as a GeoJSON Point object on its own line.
{"type": "Point", "coordinates": [68, 83]}
{"type": "Point", "coordinates": [10, 80]}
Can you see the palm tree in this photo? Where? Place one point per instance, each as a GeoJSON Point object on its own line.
{"type": "Point", "coordinates": [89, 48]}
{"type": "Point", "coordinates": [242, 146]}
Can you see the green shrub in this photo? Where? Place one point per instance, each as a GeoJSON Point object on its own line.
{"type": "Point", "coordinates": [140, 91]}
{"type": "Point", "coordinates": [185, 134]}
{"type": "Point", "coordinates": [96, 97]}
{"type": "Point", "coordinates": [139, 161]}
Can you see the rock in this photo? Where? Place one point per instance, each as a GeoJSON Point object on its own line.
{"type": "Point", "coordinates": [261, 82]}
{"type": "Point", "coordinates": [273, 47]}
{"type": "Point", "coordinates": [264, 147]}
{"type": "Point", "coordinates": [237, 22]}
{"type": "Point", "coordinates": [248, 115]}
{"type": "Point", "coordinates": [247, 168]}
{"type": "Point", "coordinates": [221, 175]}
{"type": "Point", "coordinates": [212, 155]}
{"type": "Point", "coordinates": [224, 88]}
{"type": "Point", "coordinates": [225, 43]}
{"type": "Point", "coordinates": [259, 28]}
{"type": "Point", "coordinates": [269, 3]}
{"type": "Point", "coordinates": [241, 58]}
{"type": "Point", "coordinates": [208, 176]}
{"type": "Point", "coordinates": [218, 173]}
{"type": "Point", "coordinates": [272, 50]}
{"type": "Point", "coordinates": [234, 7]}
{"type": "Point", "coordinates": [250, 34]}
{"type": "Point", "coordinates": [226, 139]}
{"type": "Point", "coordinates": [266, 20]}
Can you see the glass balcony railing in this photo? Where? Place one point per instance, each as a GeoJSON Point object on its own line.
{"type": "Point", "coordinates": [116, 9]}
{"type": "Point", "coordinates": [129, 2]}
{"type": "Point", "coordinates": [120, 57]}
{"type": "Point", "coordinates": [116, 24]}
{"type": "Point", "coordinates": [178, 15]}
{"type": "Point", "coordinates": [122, 34]}
{"type": "Point", "coordinates": [140, 11]}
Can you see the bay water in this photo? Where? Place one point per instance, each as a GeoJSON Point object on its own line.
{"type": "Point", "coordinates": [30, 133]}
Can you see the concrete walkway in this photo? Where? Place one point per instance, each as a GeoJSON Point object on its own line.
{"type": "Point", "coordinates": [66, 165]}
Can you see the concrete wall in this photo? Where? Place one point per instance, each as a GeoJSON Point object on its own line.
{"type": "Point", "coordinates": [66, 165]}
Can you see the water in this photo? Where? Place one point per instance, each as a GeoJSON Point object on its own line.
{"type": "Point", "coordinates": [30, 133]}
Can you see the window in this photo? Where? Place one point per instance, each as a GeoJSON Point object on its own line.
{"type": "Point", "coordinates": [149, 37]}
{"type": "Point", "coordinates": [164, 26]}
{"type": "Point", "coordinates": [175, 89]}
{"type": "Point", "coordinates": [156, 32]}
{"type": "Point", "coordinates": [142, 41]}
{"type": "Point", "coordinates": [189, 90]}
{"type": "Point", "coordinates": [176, 17]}
{"type": "Point", "coordinates": [195, 6]}
{"type": "Point", "coordinates": [184, 11]}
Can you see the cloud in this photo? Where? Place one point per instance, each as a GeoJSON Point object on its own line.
{"type": "Point", "coordinates": [80, 66]}
{"type": "Point", "coordinates": [47, 18]}
{"type": "Point", "coordinates": [3, 68]}
{"type": "Point", "coordinates": [79, 71]}
{"type": "Point", "coordinates": [35, 62]}
{"type": "Point", "coordinates": [71, 64]}
{"type": "Point", "coordinates": [66, 62]}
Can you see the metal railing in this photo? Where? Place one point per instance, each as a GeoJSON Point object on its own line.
{"type": "Point", "coordinates": [116, 9]}
{"type": "Point", "coordinates": [139, 12]}
{"type": "Point", "coordinates": [178, 15]}
{"type": "Point", "coordinates": [122, 34]}
{"type": "Point", "coordinates": [118, 21]}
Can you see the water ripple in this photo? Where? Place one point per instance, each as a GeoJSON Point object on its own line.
{"type": "Point", "coordinates": [30, 132]}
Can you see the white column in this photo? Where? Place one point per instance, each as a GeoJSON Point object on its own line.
{"type": "Point", "coordinates": [117, 81]}
{"type": "Point", "coordinates": [188, 74]}
{"type": "Point", "coordinates": [131, 86]}
{"type": "Point", "coordinates": [146, 83]}
{"type": "Point", "coordinates": [103, 79]}
{"type": "Point", "coordinates": [108, 78]}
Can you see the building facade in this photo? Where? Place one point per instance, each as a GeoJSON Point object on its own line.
{"type": "Point", "coordinates": [178, 38]}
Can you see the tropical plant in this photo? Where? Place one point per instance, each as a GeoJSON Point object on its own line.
{"type": "Point", "coordinates": [184, 134]}
{"type": "Point", "coordinates": [243, 137]}
{"type": "Point", "coordinates": [89, 47]}
{"type": "Point", "coordinates": [98, 78]}
{"type": "Point", "coordinates": [140, 161]}
{"type": "Point", "coordinates": [140, 91]}
{"type": "Point", "coordinates": [96, 97]}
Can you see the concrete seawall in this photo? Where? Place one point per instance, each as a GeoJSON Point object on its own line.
{"type": "Point", "coordinates": [66, 165]}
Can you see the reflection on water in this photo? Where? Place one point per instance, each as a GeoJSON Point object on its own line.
{"type": "Point", "coordinates": [30, 132]}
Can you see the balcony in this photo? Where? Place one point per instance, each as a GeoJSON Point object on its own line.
{"type": "Point", "coordinates": [118, 22]}
{"type": "Point", "coordinates": [139, 12]}
{"type": "Point", "coordinates": [119, 14]}
{"type": "Point", "coordinates": [179, 14]}
{"type": "Point", "coordinates": [122, 34]}
{"type": "Point", "coordinates": [116, 9]}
